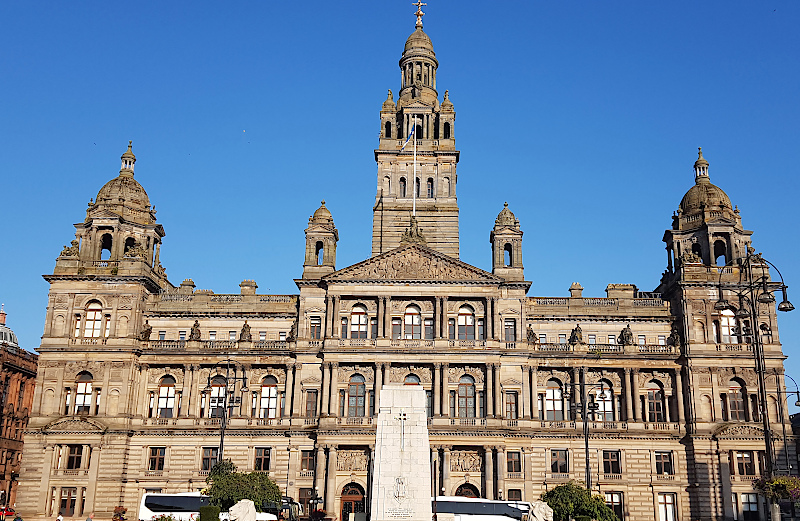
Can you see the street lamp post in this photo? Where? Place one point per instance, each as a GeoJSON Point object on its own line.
{"type": "Point", "coordinates": [586, 408]}
{"type": "Point", "coordinates": [754, 288]}
{"type": "Point", "coordinates": [231, 377]}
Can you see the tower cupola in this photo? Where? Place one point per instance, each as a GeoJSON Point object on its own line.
{"type": "Point", "coordinates": [506, 240]}
{"type": "Point", "coordinates": [321, 239]}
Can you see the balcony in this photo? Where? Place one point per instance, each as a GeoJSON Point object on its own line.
{"type": "Point", "coordinates": [514, 475]}
{"type": "Point", "coordinates": [468, 422]}
{"type": "Point", "coordinates": [559, 476]}
{"type": "Point", "coordinates": [665, 477]}
{"type": "Point", "coordinates": [355, 420]}
{"type": "Point", "coordinates": [612, 477]}
{"type": "Point", "coordinates": [744, 479]}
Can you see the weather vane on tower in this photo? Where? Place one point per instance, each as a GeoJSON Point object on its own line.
{"type": "Point", "coordinates": [419, 12]}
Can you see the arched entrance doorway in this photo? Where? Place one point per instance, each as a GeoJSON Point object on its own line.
{"type": "Point", "coordinates": [353, 501]}
{"type": "Point", "coordinates": [467, 490]}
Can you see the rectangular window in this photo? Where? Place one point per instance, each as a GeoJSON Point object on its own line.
{"type": "Point", "coordinates": [373, 326]}
{"type": "Point", "coordinates": [612, 339]}
{"type": "Point", "coordinates": [481, 329]}
{"type": "Point", "coordinates": [304, 498]}
{"type": "Point", "coordinates": [513, 462]}
{"type": "Point", "coordinates": [262, 459]}
{"type": "Point", "coordinates": [182, 335]}
{"type": "Point", "coordinates": [750, 507]}
{"type": "Point", "coordinates": [281, 336]}
{"type": "Point", "coordinates": [451, 328]}
{"type": "Point", "coordinates": [316, 328]}
{"type": "Point", "coordinates": [307, 460]}
{"type": "Point", "coordinates": [614, 502]}
{"type": "Point", "coordinates": [397, 328]}
{"type": "Point", "coordinates": [429, 403]}
{"type": "Point", "coordinates": [666, 508]}
{"type": "Point", "coordinates": [562, 338]}
{"type": "Point", "coordinates": [231, 335]}
{"type": "Point", "coordinates": [592, 339]}
{"type": "Point", "coordinates": [510, 329]}
{"type": "Point", "coordinates": [453, 404]}
{"type": "Point", "coordinates": [662, 340]}
{"type": "Point", "coordinates": [344, 328]}
{"type": "Point", "coordinates": [209, 458]}
{"type": "Point", "coordinates": [429, 329]}
{"type": "Point", "coordinates": [341, 403]}
{"type": "Point", "coordinates": [156, 460]}
{"type": "Point", "coordinates": [558, 461]}
{"type": "Point", "coordinates": [745, 464]}
{"type": "Point", "coordinates": [371, 411]}
{"type": "Point", "coordinates": [481, 404]}
{"type": "Point", "coordinates": [735, 503]}
{"type": "Point", "coordinates": [74, 455]}
{"type": "Point", "coordinates": [540, 405]}
{"type": "Point", "coordinates": [68, 498]}
{"type": "Point", "coordinates": [212, 335]}
{"type": "Point", "coordinates": [542, 338]}
{"type": "Point", "coordinates": [664, 463]}
{"type": "Point", "coordinates": [512, 411]}
{"type": "Point", "coordinates": [162, 335]}
{"type": "Point", "coordinates": [611, 462]}
{"type": "Point", "coordinates": [515, 494]}
{"type": "Point", "coordinates": [642, 340]}
{"type": "Point", "coordinates": [311, 404]}
{"type": "Point", "coordinates": [67, 395]}
{"type": "Point", "coordinates": [262, 335]}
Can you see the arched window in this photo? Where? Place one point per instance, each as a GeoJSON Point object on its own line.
{"type": "Point", "coordinates": [356, 393]}
{"type": "Point", "coordinates": [319, 253]}
{"type": "Point", "coordinates": [216, 405]}
{"type": "Point", "coordinates": [353, 501]}
{"type": "Point", "coordinates": [447, 186]}
{"type": "Point", "coordinates": [106, 241]}
{"type": "Point", "coordinates": [446, 130]}
{"type": "Point", "coordinates": [466, 323]}
{"type": "Point", "coordinates": [416, 186]}
{"type": "Point", "coordinates": [358, 322]}
{"type": "Point", "coordinates": [467, 490]}
{"type": "Point", "coordinates": [430, 188]}
{"type": "Point", "coordinates": [697, 250]}
{"type": "Point", "coordinates": [268, 406]}
{"type": "Point", "coordinates": [554, 401]}
{"type": "Point", "coordinates": [387, 132]}
{"type": "Point", "coordinates": [411, 379]}
{"type": "Point", "coordinates": [93, 323]}
{"type": "Point", "coordinates": [387, 185]}
{"type": "Point", "coordinates": [720, 253]}
{"type": "Point", "coordinates": [402, 187]}
{"type": "Point", "coordinates": [466, 397]}
{"type": "Point", "coordinates": [604, 398]}
{"type": "Point", "coordinates": [130, 242]}
{"type": "Point", "coordinates": [83, 393]}
{"type": "Point", "coordinates": [655, 402]}
{"type": "Point", "coordinates": [727, 324]}
{"type": "Point", "coordinates": [412, 323]}
{"type": "Point", "coordinates": [507, 256]}
{"type": "Point", "coordinates": [166, 397]}
{"type": "Point", "coordinates": [737, 398]}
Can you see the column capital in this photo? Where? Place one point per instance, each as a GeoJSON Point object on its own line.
{"type": "Point", "coordinates": [333, 448]}
{"type": "Point", "coordinates": [627, 370]}
{"type": "Point", "coordinates": [437, 365]}
{"type": "Point", "coordinates": [334, 365]}
{"type": "Point", "coordinates": [447, 448]}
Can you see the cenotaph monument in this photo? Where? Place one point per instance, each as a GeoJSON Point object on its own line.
{"type": "Point", "coordinates": [401, 481]}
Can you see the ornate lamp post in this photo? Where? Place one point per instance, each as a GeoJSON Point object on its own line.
{"type": "Point", "coordinates": [586, 408]}
{"type": "Point", "coordinates": [231, 377]}
{"type": "Point", "coordinates": [753, 289]}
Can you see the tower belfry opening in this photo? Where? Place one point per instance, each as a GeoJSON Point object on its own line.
{"type": "Point", "coordinates": [431, 193]}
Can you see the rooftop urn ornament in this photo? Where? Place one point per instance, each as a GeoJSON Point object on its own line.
{"type": "Point", "coordinates": [419, 14]}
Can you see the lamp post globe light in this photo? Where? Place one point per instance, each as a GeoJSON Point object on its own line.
{"type": "Point", "coordinates": [747, 279]}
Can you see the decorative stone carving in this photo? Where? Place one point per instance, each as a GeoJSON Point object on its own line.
{"type": "Point", "coordinates": [194, 334]}
{"type": "Point", "coordinates": [531, 335]}
{"type": "Point", "coordinates": [125, 302]}
{"type": "Point", "coordinates": [576, 336]}
{"type": "Point", "coordinates": [346, 371]}
{"type": "Point", "coordinates": [137, 251]}
{"type": "Point", "coordinates": [594, 377]}
{"type": "Point", "coordinates": [352, 460]}
{"type": "Point", "coordinates": [97, 369]}
{"type": "Point", "coordinates": [61, 302]}
{"type": "Point", "coordinates": [674, 338]}
{"type": "Point", "coordinates": [413, 234]}
{"type": "Point", "coordinates": [71, 251]}
{"type": "Point", "coordinates": [292, 332]}
{"type": "Point", "coordinates": [626, 336]}
{"type": "Point", "coordinates": [147, 330]}
{"type": "Point", "coordinates": [412, 262]}
{"type": "Point", "coordinates": [456, 373]}
{"type": "Point", "coordinates": [690, 257]}
{"type": "Point", "coordinates": [398, 374]}
{"type": "Point", "coordinates": [465, 461]}
{"type": "Point", "coordinates": [156, 376]}
{"type": "Point", "coordinates": [244, 334]}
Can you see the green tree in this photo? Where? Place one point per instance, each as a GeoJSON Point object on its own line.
{"type": "Point", "coordinates": [571, 499]}
{"type": "Point", "coordinates": [228, 487]}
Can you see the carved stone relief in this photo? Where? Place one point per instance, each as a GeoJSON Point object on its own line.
{"type": "Point", "coordinates": [97, 369]}
{"type": "Point", "coordinates": [346, 371]}
{"type": "Point", "coordinates": [398, 306]}
{"type": "Point", "coordinates": [612, 376]}
{"type": "Point", "coordinates": [398, 374]}
{"type": "Point", "coordinates": [456, 373]}
{"type": "Point", "coordinates": [125, 302]}
{"type": "Point", "coordinates": [157, 374]}
{"type": "Point", "coordinates": [412, 263]}
{"type": "Point", "coordinates": [465, 461]}
{"type": "Point", "coordinates": [352, 460]}
{"type": "Point", "coordinates": [61, 302]}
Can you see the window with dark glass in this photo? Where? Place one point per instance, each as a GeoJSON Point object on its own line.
{"type": "Point", "coordinates": [373, 322]}
{"type": "Point", "coordinates": [750, 507]}
{"type": "Point", "coordinates": [451, 328]}
{"type": "Point", "coordinates": [736, 401]}
{"type": "Point", "coordinates": [217, 397]}
{"type": "Point", "coordinates": [510, 329]}
{"type": "Point", "coordinates": [511, 406]}
{"type": "Point", "coordinates": [156, 461]}
{"type": "Point", "coordinates": [262, 459]}
{"type": "Point", "coordinates": [74, 456]}
{"type": "Point", "coordinates": [611, 462]}
{"type": "Point", "coordinates": [745, 464]}
{"type": "Point", "coordinates": [655, 403]}
{"type": "Point", "coordinates": [614, 502]}
{"type": "Point", "coordinates": [466, 397]}
{"type": "Point", "coordinates": [68, 499]}
{"type": "Point", "coordinates": [664, 463]}
{"type": "Point", "coordinates": [356, 393]}
{"type": "Point", "coordinates": [209, 458]}
{"type": "Point", "coordinates": [513, 462]}
{"type": "Point", "coordinates": [397, 328]}
{"type": "Point", "coordinates": [428, 329]}
{"type": "Point", "coordinates": [307, 460]}
{"type": "Point", "coordinates": [311, 404]}
{"type": "Point", "coordinates": [558, 461]}
{"type": "Point", "coordinates": [316, 328]}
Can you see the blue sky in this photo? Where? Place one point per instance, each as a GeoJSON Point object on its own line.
{"type": "Point", "coordinates": [584, 116]}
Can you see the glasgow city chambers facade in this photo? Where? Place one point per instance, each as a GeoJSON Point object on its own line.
{"type": "Point", "coordinates": [660, 400]}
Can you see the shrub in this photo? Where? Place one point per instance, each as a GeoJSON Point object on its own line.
{"type": "Point", "coordinates": [209, 513]}
{"type": "Point", "coordinates": [572, 500]}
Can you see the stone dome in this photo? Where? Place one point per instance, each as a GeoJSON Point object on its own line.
{"type": "Point", "coordinates": [506, 217]}
{"type": "Point", "coordinates": [322, 215]}
{"type": "Point", "coordinates": [124, 196]}
{"type": "Point", "coordinates": [418, 40]}
{"type": "Point", "coordinates": [704, 193]}
{"type": "Point", "coordinates": [7, 336]}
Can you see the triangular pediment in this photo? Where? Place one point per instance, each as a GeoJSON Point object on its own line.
{"type": "Point", "coordinates": [417, 104]}
{"type": "Point", "coordinates": [412, 262]}
{"type": "Point", "coordinates": [78, 425]}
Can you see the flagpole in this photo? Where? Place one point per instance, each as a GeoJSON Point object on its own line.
{"type": "Point", "coordinates": [414, 182]}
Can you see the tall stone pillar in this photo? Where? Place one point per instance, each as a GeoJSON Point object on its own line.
{"type": "Point", "coordinates": [446, 471]}
{"type": "Point", "coordinates": [319, 473]}
{"type": "Point", "coordinates": [445, 323]}
{"type": "Point", "coordinates": [297, 394]}
{"type": "Point", "coordinates": [435, 319]}
{"type": "Point", "coordinates": [334, 399]}
{"type": "Point", "coordinates": [628, 395]}
{"type": "Point", "coordinates": [378, 384]}
{"type": "Point", "coordinates": [91, 488]}
{"type": "Point", "coordinates": [335, 317]}
{"type": "Point", "coordinates": [637, 413]}
{"type": "Point", "coordinates": [287, 391]}
{"type": "Point", "coordinates": [379, 313]}
{"type": "Point", "coordinates": [498, 393]}
{"type": "Point", "coordinates": [501, 472]}
{"type": "Point", "coordinates": [488, 474]}
{"type": "Point", "coordinates": [328, 317]}
{"type": "Point", "coordinates": [527, 473]}
{"type": "Point", "coordinates": [326, 389]}
{"type": "Point", "coordinates": [387, 317]}
{"type": "Point", "coordinates": [489, 399]}
{"type": "Point", "coordinates": [186, 390]}
{"type": "Point", "coordinates": [437, 389]}
{"type": "Point", "coordinates": [526, 392]}
{"type": "Point", "coordinates": [445, 389]}
{"type": "Point", "coordinates": [679, 394]}
{"type": "Point", "coordinates": [716, 413]}
{"type": "Point", "coordinates": [330, 486]}
{"type": "Point", "coordinates": [142, 402]}
{"type": "Point", "coordinates": [534, 392]}
{"type": "Point", "coordinates": [495, 320]}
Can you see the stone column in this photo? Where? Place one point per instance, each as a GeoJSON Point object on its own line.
{"type": "Point", "coordinates": [297, 395]}
{"type": "Point", "coordinates": [91, 487]}
{"type": "Point", "coordinates": [637, 413]}
{"type": "Point", "coordinates": [716, 413]}
{"type": "Point", "coordinates": [489, 398]}
{"type": "Point", "coordinates": [319, 473]}
{"type": "Point", "coordinates": [488, 475]}
{"type": "Point", "coordinates": [436, 466]}
{"type": "Point", "coordinates": [379, 313]}
{"type": "Point", "coordinates": [325, 391]}
{"type": "Point", "coordinates": [445, 323]}
{"type": "Point", "coordinates": [498, 393]}
{"type": "Point", "coordinates": [495, 320]}
{"type": "Point", "coordinates": [387, 318]}
{"type": "Point", "coordinates": [446, 470]}
{"type": "Point", "coordinates": [445, 389]}
{"type": "Point", "coordinates": [287, 391]}
{"type": "Point", "coordinates": [628, 395]}
{"type": "Point", "coordinates": [328, 317]}
{"type": "Point", "coordinates": [526, 392]}
{"type": "Point", "coordinates": [335, 317]}
{"type": "Point", "coordinates": [534, 393]}
{"type": "Point", "coordinates": [185, 390]}
{"type": "Point", "coordinates": [501, 471]}
{"type": "Point", "coordinates": [679, 394]}
{"type": "Point", "coordinates": [142, 398]}
{"type": "Point", "coordinates": [437, 389]}
{"type": "Point", "coordinates": [378, 384]}
{"type": "Point", "coordinates": [330, 487]}
{"type": "Point", "coordinates": [334, 398]}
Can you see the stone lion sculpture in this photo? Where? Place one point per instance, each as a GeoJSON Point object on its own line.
{"type": "Point", "coordinates": [245, 510]}
{"type": "Point", "coordinates": [540, 511]}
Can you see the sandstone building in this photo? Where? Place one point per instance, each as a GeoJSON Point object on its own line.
{"type": "Point", "coordinates": [17, 383]}
{"type": "Point", "coordinates": [137, 374]}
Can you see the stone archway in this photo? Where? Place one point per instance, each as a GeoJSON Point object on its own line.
{"type": "Point", "coordinates": [468, 490]}
{"type": "Point", "coordinates": [353, 500]}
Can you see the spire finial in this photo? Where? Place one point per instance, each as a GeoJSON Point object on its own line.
{"type": "Point", "coordinates": [699, 152]}
{"type": "Point", "coordinates": [419, 12]}
{"type": "Point", "coordinates": [130, 144]}
{"type": "Point", "coordinates": [700, 166]}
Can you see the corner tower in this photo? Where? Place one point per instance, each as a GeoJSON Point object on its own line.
{"type": "Point", "coordinates": [417, 107]}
